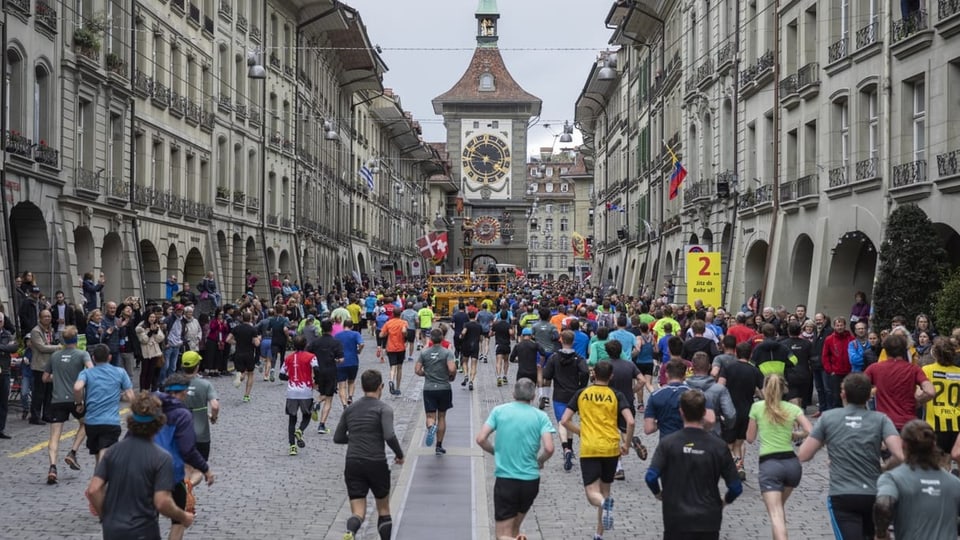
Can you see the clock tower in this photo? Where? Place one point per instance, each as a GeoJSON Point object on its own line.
{"type": "Point", "coordinates": [486, 114]}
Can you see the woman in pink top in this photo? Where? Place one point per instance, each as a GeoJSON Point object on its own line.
{"type": "Point", "coordinates": [214, 357]}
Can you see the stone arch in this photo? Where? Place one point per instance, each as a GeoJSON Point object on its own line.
{"type": "Point", "coordinates": [694, 239]}
{"type": "Point", "coordinates": [83, 245]}
{"type": "Point", "coordinates": [251, 261]}
{"type": "Point", "coordinates": [801, 264]}
{"type": "Point", "coordinates": [668, 265]}
{"type": "Point", "coordinates": [707, 239]}
{"type": "Point", "coordinates": [172, 267]}
{"type": "Point", "coordinates": [229, 271]}
{"type": "Point", "coordinates": [271, 262]}
{"type": "Point", "coordinates": [31, 244]}
{"type": "Point", "coordinates": [361, 264]}
{"type": "Point", "coordinates": [111, 264]}
{"type": "Point", "coordinates": [951, 242]}
{"type": "Point", "coordinates": [152, 277]}
{"type": "Point", "coordinates": [755, 264]}
{"type": "Point", "coordinates": [284, 262]}
{"type": "Point", "coordinates": [193, 269]}
{"type": "Point", "coordinates": [852, 269]}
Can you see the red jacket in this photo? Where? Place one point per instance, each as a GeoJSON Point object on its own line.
{"type": "Point", "coordinates": [835, 358]}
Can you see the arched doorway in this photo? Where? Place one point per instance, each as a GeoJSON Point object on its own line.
{"type": "Point", "coordinates": [229, 286]}
{"type": "Point", "coordinates": [111, 264]}
{"type": "Point", "coordinates": [754, 268]}
{"type": "Point", "coordinates": [250, 260]}
{"type": "Point", "coordinates": [654, 275]}
{"type": "Point", "coordinates": [151, 270]}
{"type": "Point", "coordinates": [480, 263]}
{"type": "Point", "coordinates": [852, 269]}
{"type": "Point", "coordinates": [951, 242]}
{"type": "Point", "coordinates": [668, 266]}
{"type": "Point", "coordinates": [707, 239]}
{"type": "Point", "coordinates": [193, 270]}
{"type": "Point", "coordinates": [694, 239]}
{"type": "Point", "coordinates": [173, 265]}
{"type": "Point", "coordinates": [83, 245]}
{"type": "Point", "coordinates": [284, 262]}
{"type": "Point", "coordinates": [361, 265]}
{"type": "Point", "coordinates": [801, 263]}
{"type": "Point", "coordinates": [31, 245]}
{"type": "Point", "coordinates": [271, 262]}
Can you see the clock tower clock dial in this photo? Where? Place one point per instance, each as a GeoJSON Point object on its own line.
{"type": "Point", "coordinates": [486, 159]}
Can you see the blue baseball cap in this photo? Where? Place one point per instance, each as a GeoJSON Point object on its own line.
{"type": "Point", "coordinates": [527, 332]}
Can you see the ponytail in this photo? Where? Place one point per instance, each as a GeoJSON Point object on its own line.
{"type": "Point", "coordinates": [773, 390]}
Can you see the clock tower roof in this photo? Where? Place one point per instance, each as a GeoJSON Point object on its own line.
{"type": "Point", "coordinates": [486, 81]}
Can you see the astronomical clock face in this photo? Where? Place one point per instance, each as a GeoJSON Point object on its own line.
{"type": "Point", "coordinates": [485, 158]}
{"type": "Point", "coordinates": [486, 230]}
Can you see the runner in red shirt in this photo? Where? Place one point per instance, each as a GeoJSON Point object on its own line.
{"type": "Point", "coordinates": [896, 381]}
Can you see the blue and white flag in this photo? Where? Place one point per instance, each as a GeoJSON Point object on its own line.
{"type": "Point", "coordinates": [367, 175]}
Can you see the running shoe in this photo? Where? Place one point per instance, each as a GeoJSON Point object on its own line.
{"type": "Point", "coordinates": [322, 429]}
{"type": "Point", "coordinates": [499, 382]}
{"type": "Point", "coordinates": [246, 399]}
{"type": "Point", "coordinates": [464, 381]}
{"type": "Point", "coordinates": [741, 472]}
{"type": "Point", "coordinates": [439, 451]}
{"type": "Point", "coordinates": [471, 386]}
{"type": "Point", "coordinates": [393, 389]}
{"type": "Point", "coordinates": [484, 359]}
{"type": "Point", "coordinates": [567, 460]}
{"type": "Point", "coordinates": [431, 435]}
{"type": "Point", "coordinates": [71, 460]}
{"type": "Point", "coordinates": [52, 475]}
{"type": "Point", "coordinates": [640, 448]}
{"type": "Point", "coordinates": [419, 346]}
{"type": "Point", "coordinates": [607, 517]}
{"type": "Point", "coordinates": [237, 380]}
{"type": "Point", "coordinates": [543, 402]}
{"type": "Point", "coordinates": [272, 376]}
{"type": "Point", "coordinates": [619, 475]}
{"type": "Point", "coordinates": [298, 435]}
{"type": "Point", "coordinates": [293, 450]}
{"type": "Point", "coordinates": [348, 536]}
{"type": "Point", "coordinates": [315, 413]}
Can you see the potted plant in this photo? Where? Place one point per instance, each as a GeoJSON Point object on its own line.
{"type": "Point", "coordinates": [115, 62]}
{"type": "Point", "coordinates": [223, 192]}
{"type": "Point", "coordinates": [87, 38]}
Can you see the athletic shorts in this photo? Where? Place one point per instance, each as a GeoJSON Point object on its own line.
{"type": "Point", "coordinates": [470, 350]}
{"type": "Point", "coordinates": [265, 347]}
{"type": "Point", "coordinates": [779, 473]}
{"type": "Point", "coordinates": [738, 432]}
{"type": "Point", "coordinates": [299, 406]}
{"type": "Point", "coordinates": [852, 515]}
{"type": "Point", "coordinates": [559, 407]}
{"type": "Point", "coordinates": [598, 468]}
{"type": "Point", "coordinates": [372, 316]}
{"type": "Point", "coordinates": [396, 358]}
{"type": "Point", "coordinates": [503, 349]}
{"type": "Point", "coordinates": [101, 437]}
{"type": "Point", "coordinates": [425, 332]}
{"type": "Point", "coordinates": [326, 383]}
{"type": "Point", "coordinates": [204, 449]}
{"type": "Point", "coordinates": [437, 400]}
{"type": "Point", "coordinates": [512, 497]}
{"type": "Point", "coordinates": [411, 336]}
{"type": "Point", "coordinates": [278, 350]}
{"type": "Point", "coordinates": [61, 412]}
{"type": "Point", "coordinates": [646, 369]}
{"type": "Point", "coordinates": [179, 497]}
{"type": "Point", "coordinates": [457, 343]}
{"type": "Point", "coordinates": [348, 373]}
{"type": "Point", "coordinates": [244, 363]}
{"type": "Point", "coordinates": [945, 441]}
{"type": "Point", "coordinates": [363, 476]}
{"type": "Point", "coordinates": [542, 359]}
{"type": "Point", "coordinates": [531, 376]}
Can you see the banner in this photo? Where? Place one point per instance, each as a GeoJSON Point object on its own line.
{"type": "Point", "coordinates": [579, 245]}
{"type": "Point", "coordinates": [704, 279]}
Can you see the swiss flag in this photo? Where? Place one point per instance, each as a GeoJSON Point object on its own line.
{"type": "Point", "coordinates": [433, 246]}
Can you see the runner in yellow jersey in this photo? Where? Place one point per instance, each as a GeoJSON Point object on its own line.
{"type": "Point", "coordinates": [425, 317]}
{"type": "Point", "coordinates": [601, 442]}
{"type": "Point", "coordinates": [943, 411]}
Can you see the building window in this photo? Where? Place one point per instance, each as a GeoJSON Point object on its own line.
{"type": "Point", "coordinates": [548, 242]}
{"type": "Point", "coordinates": [534, 242]}
{"type": "Point", "coordinates": [548, 262]}
{"type": "Point", "coordinates": [919, 120]}
{"type": "Point", "coordinates": [175, 171]}
{"type": "Point", "coordinates": [486, 82]}
{"type": "Point", "coordinates": [873, 124]}
{"type": "Point", "coordinates": [222, 158]}
{"type": "Point", "coordinates": [563, 241]}
{"type": "Point", "coordinates": [42, 100]}
{"type": "Point", "coordinates": [843, 115]}
{"type": "Point", "coordinates": [205, 180]}
{"type": "Point", "coordinates": [563, 262]}
{"type": "Point", "coordinates": [115, 150]}
{"type": "Point", "coordinates": [548, 208]}
{"type": "Point", "coordinates": [252, 171]}
{"type": "Point", "coordinates": [190, 176]}
{"type": "Point", "coordinates": [533, 261]}
{"type": "Point", "coordinates": [548, 225]}
{"type": "Point", "coordinates": [238, 176]}
{"type": "Point", "coordinates": [85, 135]}
{"type": "Point", "coordinates": [15, 105]}
{"type": "Point", "coordinates": [156, 164]}
{"type": "Point", "coordinates": [564, 224]}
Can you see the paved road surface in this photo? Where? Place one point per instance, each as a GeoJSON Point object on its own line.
{"type": "Point", "coordinates": [261, 492]}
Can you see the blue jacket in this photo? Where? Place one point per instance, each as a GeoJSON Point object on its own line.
{"type": "Point", "coordinates": [178, 437]}
{"type": "Point", "coordinates": [855, 352]}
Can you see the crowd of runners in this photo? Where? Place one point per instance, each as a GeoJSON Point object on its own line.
{"type": "Point", "coordinates": [588, 368]}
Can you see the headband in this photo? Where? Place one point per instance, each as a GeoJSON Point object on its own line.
{"type": "Point", "coordinates": [176, 387]}
{"type": "Point", "coordinates": [143, 418]}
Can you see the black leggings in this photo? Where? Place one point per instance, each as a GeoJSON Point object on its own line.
{"type": "Point", "coordinates": [851, 516]}
{"type": "Point", "coordinates": [292, 426]}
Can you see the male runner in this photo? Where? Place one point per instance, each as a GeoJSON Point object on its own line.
{"type": "Point", "coordinates": [568, 372]}
{"type": "Point", "coordinates": [548, 338]}
{"type": "Point", "coordinates": [247, 341]}
{"type": "Point", "coordinates": [522, 432]}
{"type": "Point", "coordinates": [298, 370]}
{"type": "Point", "coordinates": [502, 332]}
{"type": "Point", "coordinates": [364, 427]}
{"type": "Point", "coordinates": [485, 317]}
{"type": "Point", "coordinates": [601, 445]}
{"type": "Point", "coordinates": [744, 382]}
{"type": "Point", "coordinates": [352, 342]}
{"type": "Point", "coordinates": [525, 354]}
{"type": "Point", "coordinates": [395, 332]}
{"type": "Point", "coordinates": [100, 390]}
{"type": "Point", "coordinates": [689, 463]}
{"type": "Point", "coordinates": [425, 316]}
{"type": "Point", "coordinates": [409, 315]}
{"type": "Point", "coordinates": [625, 379]}
{"type": "Point", "coordinates": [203, 402]}
{"type": "Point", "coordinates": [329, 353]}
{"type": "Point", "coordinates": [63, 369]}
{"type": "Point", "coordinates": [470, 348]}
{"type": "Point", "coordinates": [437, 366]}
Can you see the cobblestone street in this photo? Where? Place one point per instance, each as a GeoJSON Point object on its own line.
{"type": "Point", "coordinates": [261, 492]}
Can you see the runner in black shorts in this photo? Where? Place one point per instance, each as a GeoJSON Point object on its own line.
{"type": "Point", "coordinates": [329, 353]}
{"type": "Point", "coordinates": [247, 339]}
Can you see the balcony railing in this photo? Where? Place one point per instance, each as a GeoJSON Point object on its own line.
{"type": "Point", "coordinates": [194, 113]}
{"type": "Point", "coordinates": [142, 83]}
{"type": "Point", "coordinates": [948, 163]}
{"type": "Point", "coordinates": [276, 139]}
{"type": "Point", "coordinates": [788, 86]}
{"type": "Point", "coordinates": [274, 61]}
{"type": "Point", "coordinates": [241, 23]}
{"type": "Point", "coordinates": [288, 70]}
{"type": "Point", "coordinates": [947, 9]}
{"type": "Point", "coordinates": [17, 144]}
{"type": "Point", "coordinates": [226, 9]}
{"type": "Point", "coordinates": [116, 65]}
{"type": "Point", "coordinates": [807, 185]}
{"type": "Point", "coordinates": [699, 190]}
{"type": "Point", "coordinates": [868, 169]}
{"type": "Point", "coordinates": [287, 224]}
{"type": "Point", "coordinates": [727, 54]}
{"type": "Point", "coordinates": [161, 94]}
{"type": "Point", "coordinates": [838, 176]}
{"type": "Point", "coordinates": [253, 203]}
{"type": "Point", "coordinates": [705, 71]}
{"type": "Point", "coordinates": [146, 196]}
{"type": "Point", "coordinates": [255, 115]}
{"type": "Point", "coordinates": [118, 188]}
{"type": "Point", "coordinates": [254, 32]}
{"type": "Point", "coordinates": [46, 15]}
{"type": "Point", "coordinates": [273, 219]}
{"type": "Point", "coordinates": [241, 110]}
{"type": "Point", "coordinates": [177, 4]}
{"type": "Point", "coordinates": [87, 181]}
{"type": "Point", "coordinates": [178, 103]}
{"type": "Point", "coordinates": [808, 75]}
{"type": "Point", "coordinates": [764, 194]}
{"type": "Point", "coordinates": [868, 35]}
{"type": "Point", "coordinates": [208, 119]}
{"type": "Point", "coordinates": [45, 155]}
{"type": "Point", "coordinates": [837, 50]}
{"type": "Point", "coordinates": [909, 25]}
{"type": "Point", "coordinates": [910, 173]}
{"type": "Point", "coordinates": [287, 145]}
{"type": "Point", "coordinates": [225, 104]}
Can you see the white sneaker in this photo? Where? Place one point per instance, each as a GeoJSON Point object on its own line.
{"type": "Point", "coordinates": [237, 379]}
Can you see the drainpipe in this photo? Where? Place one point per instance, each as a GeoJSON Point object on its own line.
{"type": "Point", "coordinates": [263, 160]}
{"type": "Point", "coordinates": [7, 230]}
{"type": "Point", "coordinates": [135, 221]}
{"type": "Point", "coordinates": [776, 150]}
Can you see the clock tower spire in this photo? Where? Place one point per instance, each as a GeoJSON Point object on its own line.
{"type": "Point", "coordinates": [487, 16]}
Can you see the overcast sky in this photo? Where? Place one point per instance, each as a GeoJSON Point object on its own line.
{"type": "Point", "coordinates": [556, 77]}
